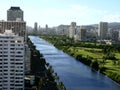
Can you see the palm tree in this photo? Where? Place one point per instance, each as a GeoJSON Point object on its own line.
{"type": "Point", "coordinates": [47, 64]}
{"type": "Point", "coordinates": [61, 86]}
{"type": "Point", "coordinates": [56, 76]}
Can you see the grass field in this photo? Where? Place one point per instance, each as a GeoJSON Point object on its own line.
{"type": "Point", "coordinates": [117, 55]}
{"type": "Point", "coordinates": [91, 52]}
{"type": "Point", "coordinates": [97, 54]}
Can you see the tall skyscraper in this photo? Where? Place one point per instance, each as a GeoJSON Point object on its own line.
{"type": "Point", "coordinates": [103, 30]}
{"type": "Point", "coordinates": [81, 34]}
{"type": "Point", "coordinates": [11, 61]}
{"type": "Point", "coordinates": [46, 26]}
{"type": "Point", "coordinates": [35, 28]}
{"type": "Point", "coordinates": [46, 29]}
{"type": "Point", "coordinates": [15, 14]}
{"type": "Point", "coordinates": [72, 30]}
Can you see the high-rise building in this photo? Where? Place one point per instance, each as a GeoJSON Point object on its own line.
{"type": "Point", "coordinates": [35, 28]}
{"type": "Point", "coordinates": [18, 27]}
{"type": "Point", "coordinates": [72, 30]}
{"type": "Point", "coordinates": [63, 30]}
{"type": "Point", "coordinates": [115, 35]}
{"type": "Point", "coordinates": [46, 26]}
{"type": "Point", "coordinates": [119, 35]}
{"type": "Point", "coordinates": [103, 30]}
{"type": "Point", "coordinates": [11, 61]}
{"type": "Point", "coordinates": [82, 33]}
{"type": "Point", "coordinates": [14, 14]}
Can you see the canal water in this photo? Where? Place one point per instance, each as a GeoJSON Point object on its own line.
{"type": "Point", "coordinates": [74, 74]}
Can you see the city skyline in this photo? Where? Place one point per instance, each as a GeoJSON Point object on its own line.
{"type": "Point", "coordinates": [56, 12]}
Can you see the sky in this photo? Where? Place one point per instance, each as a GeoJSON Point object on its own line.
{"type": "Point", "coordinates": [57, 12]}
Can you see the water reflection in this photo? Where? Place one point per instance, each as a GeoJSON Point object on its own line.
{"type": "Point", "coordinates": [74, 74]}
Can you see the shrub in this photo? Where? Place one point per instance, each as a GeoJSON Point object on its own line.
{"type": "Point", "coordinates": [102, 69]}
{"type": "Point", "coordinates": [95, 65]}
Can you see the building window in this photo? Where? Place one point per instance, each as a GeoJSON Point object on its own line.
{"type": "Point", "coordinates": [11, 59]}
{"type": "Point", "coordinates": [5, 59]}
{"type": "Point", "coordinates": [5, 62]}
{"type": "Point", "coordinates": [12, 66]}
{"type": "Point", "coordinates": [5, 41]}
{"type": "Point", "coordinates": [5, 66]}
{"type": "Point", "coordinates": [12, 45]}
{"type": "Point", "coordinates": [11, 80]}
{"type": "Point", "coordinates": [12, 48]}
{"type": "Point", "coordinates": [12, 87]}
{"type": "Point", "coordinates": [11, 77]}
{"type": "Point", "coordinates": [12, 52]}
{"type": "Point", "coordinates": [5, 55]}
{"type": "Point", "coordinates": [5, 44]}
{"type": "Point", "coordinates": [12, 41]}
{"type": "Point", "coordinates": [5, 48]}
{"type": "Point", "coordinates": [19, 41]}
{"type": "Point", "coordinates": [5, 73]}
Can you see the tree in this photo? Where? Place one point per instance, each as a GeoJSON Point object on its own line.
{"type": "Point", "coordinates": [78, 57]}
{"type": "Point", "coordinates": [104, 60]}
{"type": "Point", "coordinates": [95, 65]}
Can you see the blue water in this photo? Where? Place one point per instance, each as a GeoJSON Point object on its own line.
{"type": "Point", "coordinates": [74, 74]}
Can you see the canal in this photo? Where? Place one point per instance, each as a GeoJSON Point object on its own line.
{"type": "Point", "coordinates": [74, 74]}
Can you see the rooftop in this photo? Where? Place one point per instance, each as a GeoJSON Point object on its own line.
{"type": "Point", "coordinates": [15, 8]}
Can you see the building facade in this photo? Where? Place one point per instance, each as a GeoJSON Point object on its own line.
{"type": "Point", "coordinates": [72, 30]}
{"type": "Point", "coordinates": [63, 30]}
{"type": "Point", "coordinates": [82, 34]}
{"type": "Point", "coordinates": [27, 59]}
{"type": "Point", "coordinates": [11, 61]}
{"type": "Point", "coordinates": [15, 14]}
{"type": "Point", "coordinates": [103, 30]}
{"type": "Point", "coordinates": [18, 27]}
{"type": "Point", "coordinates": [35, 28]}
{"type": "Point", "coordinates": [115, 35]}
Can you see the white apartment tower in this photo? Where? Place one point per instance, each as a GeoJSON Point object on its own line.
{"type": "Point", "coordinates": [103, 30]}
{"type": "Point", "coordinates": [72, 30]}
{"type": "Point", "coordinates": [11, 61]}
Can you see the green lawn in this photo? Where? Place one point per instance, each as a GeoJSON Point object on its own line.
{"type": "Point", "coordinates": [111, 67]}
{"type": "Point", "coordinates": [117, 55]}
{"type": "Point", "coordinates": [91, 52]}
{"type": "Point", "coordinates": [85, 52]}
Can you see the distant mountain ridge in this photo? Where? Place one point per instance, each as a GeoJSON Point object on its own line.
{"type": "Point", "coordinates": [112, 25]}
{"type": "Point", "coordinates": [115, 25]}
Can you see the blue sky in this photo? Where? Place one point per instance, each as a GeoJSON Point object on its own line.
{"type": "Point", "coordinates": [56, 12]}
